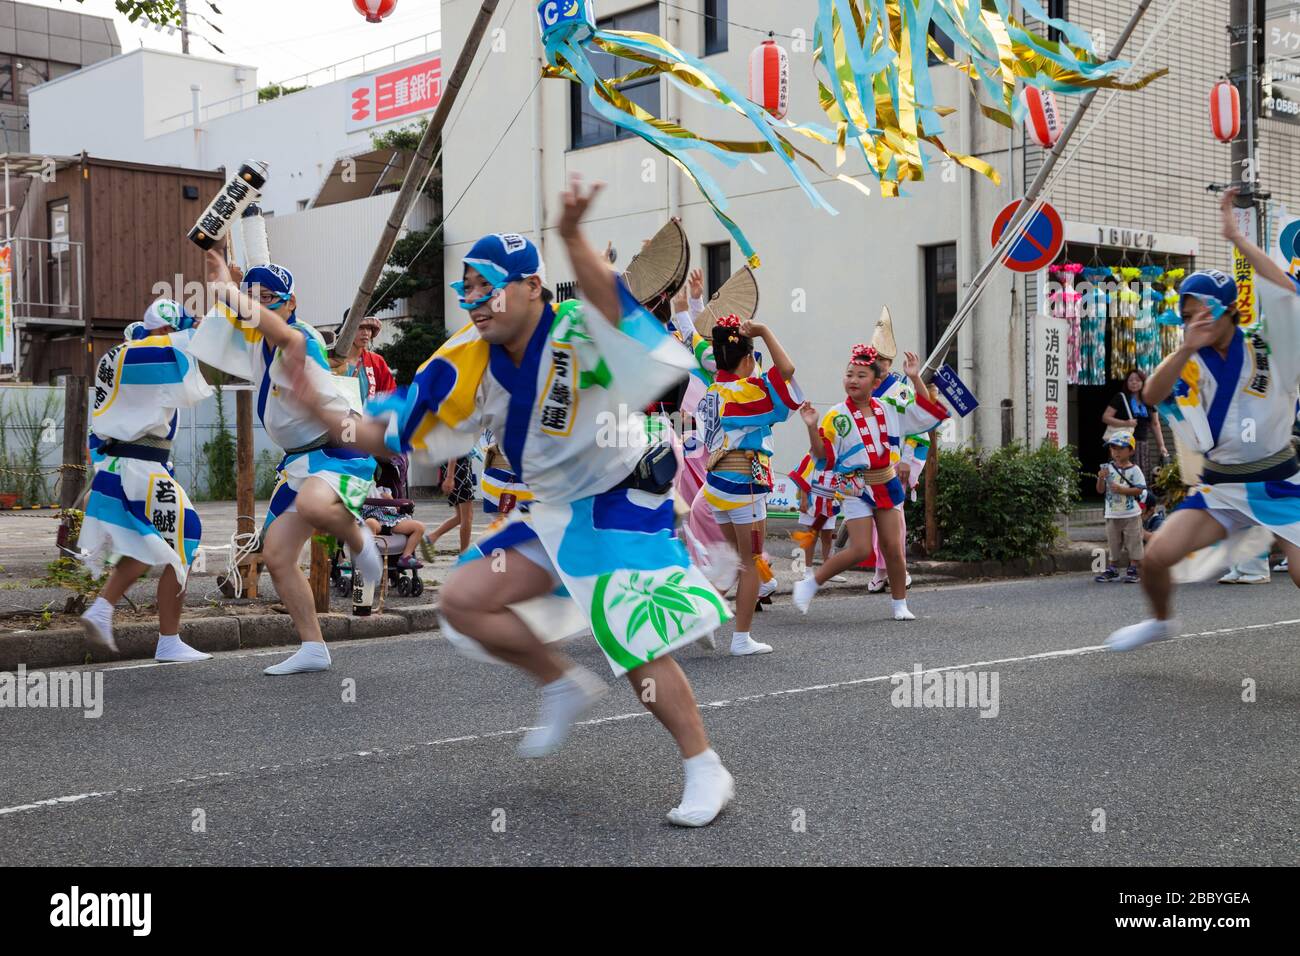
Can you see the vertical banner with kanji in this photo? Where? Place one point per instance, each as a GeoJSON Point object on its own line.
{"type": "Point", "coordinates": [8, 349]}
{"type": "Point", "coordinates": [1241, 268]}
{"type": "Point", "coordinates": [1050, 408]}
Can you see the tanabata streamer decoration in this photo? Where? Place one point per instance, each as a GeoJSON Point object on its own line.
{"type": "Point", "coordinates": [1092, 325]}
{"type": "Point", "coordinates": [1146, 330]}
{"type": "Point", "coordinates": [570, 36]}
{"type": "Point", "coordinates": [877, 90]}
{"type": "Point", "coordinates": [1170, 321]}
{"type": "Point", "coordinates": [1065, 304]}
{"type": "Point", "coordinates": [1123, 321]}
{"type": "Point", "coordinates": [875, 55]}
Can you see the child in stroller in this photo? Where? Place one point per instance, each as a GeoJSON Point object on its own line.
{"type": "Point", "coordinates": [388, 516]}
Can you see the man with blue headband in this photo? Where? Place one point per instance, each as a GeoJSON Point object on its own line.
{"type": "Point", "coordinates": [254, 332]}
{"type": "Point", "coordinates": [138, 515]}
{"type": "Point", "coordinates": [1230, 395]}
{"type": "Point", "coordinates": [561, 389]}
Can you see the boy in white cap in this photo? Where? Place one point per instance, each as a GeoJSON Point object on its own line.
{"type": "Point", "coordinates": [1123, 484]}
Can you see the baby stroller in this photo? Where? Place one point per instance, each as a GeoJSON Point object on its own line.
{"type": "Point", "coordinates": [392, 475]}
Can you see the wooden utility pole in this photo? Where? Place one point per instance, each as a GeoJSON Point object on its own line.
{"type": "Point", "coordinates": [415, 173]}
{"type": "Point", "coordinates": [931, 492]}
{"type": "Point", "coordinates": [75, 431]}
{"type": "Point", "coordinates": [320, 575]}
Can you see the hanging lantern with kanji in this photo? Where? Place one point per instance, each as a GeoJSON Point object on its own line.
{"type": "Point", "coordinates": [1042, 118]}
{"type": "Point", "coordinates": [1225, 111]}
{"type": "Point", "coordinates": [769, 78]}
{"type": "Point", "coordinates": [375, 10]}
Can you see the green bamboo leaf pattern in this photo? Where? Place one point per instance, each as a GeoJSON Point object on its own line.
{"type": "Point", "coordinates": [657, 621]}
{"type": "Point", "coordinates": [638, 619]}
{"type": "Point", "coordinates": [617, 600]}
{"type": "Point", "coordinates": [674, 599]}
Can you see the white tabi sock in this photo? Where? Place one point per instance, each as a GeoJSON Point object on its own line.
{"type": "Point", "coordinates": [97, 622]}
{"type": "Point", "coordinates": [563, 702]}
{"type": "Point", "coordinates": [312, 656]}
{"type": "Point", "coordinates": [709, 788]}
{"type": "Point", "coordinates": [172, 648]}
{"type": "Point", "coordinates": [742, 645]}
{"type": "Point", "coordinates": [368, 561]}
{"type": "Point", "coordinates": [901, 613]}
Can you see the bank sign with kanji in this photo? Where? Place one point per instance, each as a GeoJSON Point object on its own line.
{"type": "Point", "coordinates": [394, 94]}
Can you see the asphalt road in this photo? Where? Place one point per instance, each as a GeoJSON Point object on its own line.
{"type": "Point", "coordinates": [421, 769]}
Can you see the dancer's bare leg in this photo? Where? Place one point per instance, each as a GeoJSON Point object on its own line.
{"type": "Point", "coordinates": [465, 511]}
{"type": "Point", "coordinates": [858, 531]}
{"type": "Point", "coordinates": [97, 621]}
{"type": "Point", "coordinates": [742, 538]}
{"type": "Point", "coordinates": [889, 528]}
{"type": "Point", "coordinates": [1183, 533]}
{"type": "Point", "coordinates": [476, 602]}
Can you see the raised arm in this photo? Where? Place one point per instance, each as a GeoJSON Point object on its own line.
{"type": "Point", "coordinates": [1263, 265]}
{"type": "Point", "coordinates": [780, 360]}
{"type": "Point", "coordinates": [596, 279]}
{"type": "Point", "coordinates": [223, 288]}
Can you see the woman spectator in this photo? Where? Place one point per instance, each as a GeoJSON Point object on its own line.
{"type": "Point", "coordinates": [1127, 412]}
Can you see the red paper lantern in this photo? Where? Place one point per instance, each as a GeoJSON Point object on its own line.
{"type": "Point", "coordinates": [1225, 111]}
{"type": "Point", "coordinates": [375, 10]}
{"type": "Point", "coordinates": [769, 78]}
{"type": "Point", "coordinates": [1042, 118]}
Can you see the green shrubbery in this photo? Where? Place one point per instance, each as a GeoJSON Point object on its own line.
{"type": "Point", "coordinates": [999, 505]}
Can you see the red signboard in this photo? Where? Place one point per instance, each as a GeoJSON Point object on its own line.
{"type": "Point", "coordinates": [393, 95]}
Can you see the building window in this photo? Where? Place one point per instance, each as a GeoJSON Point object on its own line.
{"type": "Point", "coordinates": [940, 295]}
{"type": "Point", "coordinates": [944, 41]}
{"type": "Point", "coordinates": [586, 127]}
{"type": "Point", "coordinates": [1058, 10]}
{"type": "Point", "coordinates": [18, 74]}
{"type": "Point", "coordinates": [715, 27]}
{"type": "Point", "coordinates": [717, 266]}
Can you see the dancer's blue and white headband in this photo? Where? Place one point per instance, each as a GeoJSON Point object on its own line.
{"type": "Point", "coordinates": [500, 259]}
{"type": "Point", "coordinates": [1217, 290]}
{"type": "Point", "coordinates": [273, 278]}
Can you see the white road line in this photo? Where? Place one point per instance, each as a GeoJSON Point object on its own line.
{"type": "Point", "coordinates": [597, 721]}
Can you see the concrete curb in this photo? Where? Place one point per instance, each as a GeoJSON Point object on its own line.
{"type": "Point", "coordinates": [65, 647]}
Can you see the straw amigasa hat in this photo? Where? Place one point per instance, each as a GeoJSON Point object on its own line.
{"type": "Point", "coordinates": [660, 268]}
{"type": "Point", "coordinates": [738, 296]}
{"type": "Point", "coordinates": [882, 340]}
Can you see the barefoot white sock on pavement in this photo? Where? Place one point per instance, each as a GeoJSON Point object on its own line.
{"type": "Point", "coordinates": [709, 788]}
{"type": "Point", "coordinates": [97, 622]}
{"type": "Point", "coordinates": [767, 588]}
{"type": "Point", "coordinates": [742, 644]}
{"type": "Point", "coordinates": [901, 612]}
{"type": "Point", "coordinates": [368, 561]}
{"type": "Point", "coordinates": [1135, 635]}
{"type": "Point", "coordinates": [563, 702]}
{"type": "Point", "coordinates": [312, 656]}
{"type": "Point", "coordinates": [172, 648]}
{"type": "Point", "coordinates": [804, 590]}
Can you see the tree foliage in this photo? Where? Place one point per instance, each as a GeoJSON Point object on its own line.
{"type": "Point", "coordinates": [164, 12]}
{"type": "Point", "coordinates": [1000, 505]}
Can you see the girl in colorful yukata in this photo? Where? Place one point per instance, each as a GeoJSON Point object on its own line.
{"type": "Point", "coordinates": [1229, 394]}
{"type": "Point", "coordinates": [561, 388]}
{"type": "Point", "coordinates": [735, 418]}
{"type": "Point", "coordinates": [138, 515]}
{"type": "Point", "coordinates": [858, 440]}
{"type": "Point", "coordinates": [253, 331]}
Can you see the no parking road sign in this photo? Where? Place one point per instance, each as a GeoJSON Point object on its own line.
{"type": "Point", "coordinates": [1040, 242]}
